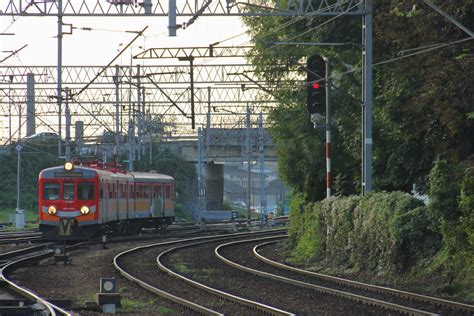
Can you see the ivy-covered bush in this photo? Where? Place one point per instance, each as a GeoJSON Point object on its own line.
{"type": "Point", "coordinates": [306, 231]}
{"type": "Point", "coordinates": [452, 204]}
{"type": "Point", "coordinates": [381, 232]}
{"type": "Point", "coordinates": [466, 205]}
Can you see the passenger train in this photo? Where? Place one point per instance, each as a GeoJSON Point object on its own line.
{"type": "Point", "coordinates": [80, 200]}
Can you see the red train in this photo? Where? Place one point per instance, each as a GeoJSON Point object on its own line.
{"type": "Point", "coordinates": [84, 199]}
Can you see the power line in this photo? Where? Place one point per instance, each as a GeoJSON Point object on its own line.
{"type": "Point", "coordinates": [397, 58]}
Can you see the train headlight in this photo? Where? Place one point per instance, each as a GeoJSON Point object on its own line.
{"type": "Point", "coordinates": [52, 210]}
{"type": "Point", "coordinates": [68, 166]}
{"type": "Point", "coordinates": [85, 210]}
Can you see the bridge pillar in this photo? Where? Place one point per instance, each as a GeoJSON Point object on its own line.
{"type": "Point", "coordinates": [214, 183]}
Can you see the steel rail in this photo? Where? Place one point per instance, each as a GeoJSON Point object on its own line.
{"type": "Point", "coordinates": [183, 302]}
{"type": "Point", "coordinates": [24, 251]}
{"type": "Point", "coordinates": [321, 289]}
{"type": "Point", "coordinates": [227, 296]}
{"type": "Point", "coordinates": [365, 286]}
{"type": "Point", "coordinates": [51, 308]}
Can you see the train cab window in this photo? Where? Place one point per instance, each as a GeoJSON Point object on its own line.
{"type": "Point", "coordinates": [50, 191]}
{"type": "Point", "coordinates": [168, 191]}
{"type": "Point", "coordinates": [68, 191]}
{"type": "Point", "coordinates": [85, 191]}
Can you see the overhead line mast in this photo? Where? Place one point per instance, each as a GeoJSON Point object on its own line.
{"type": "Point", "coordinates": [217, 8]}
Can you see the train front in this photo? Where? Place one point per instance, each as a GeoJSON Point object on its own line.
{"type": "Point", "coordinates": [68, 202]}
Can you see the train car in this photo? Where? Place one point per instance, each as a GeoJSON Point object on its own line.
{"type": "Point", "coordinates": [81, 200]}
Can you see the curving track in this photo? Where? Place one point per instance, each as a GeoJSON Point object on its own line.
{"type": "Point", "coordinates": [390, 299]}
{"type": "Point", "coordinates": [220, 289]}
{"type": "Point", "coordinates": [193, 295]}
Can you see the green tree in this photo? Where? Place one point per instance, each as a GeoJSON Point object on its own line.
{"type": "Point", "coordinates": [34, 158]}
{"type": "Point", "coordinates": [420, 102]}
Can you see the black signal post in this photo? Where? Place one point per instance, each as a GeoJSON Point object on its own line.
{"type": "Point", "coordinates": [316, 70]}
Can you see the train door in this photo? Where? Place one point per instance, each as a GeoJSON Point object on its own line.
{"type": "Point", "coordinates": [132, 199]}
{"type": "Point", "coordinates": [127, 200]}
{"type": "Point", "coordinates": [117, 197]}
{"type": "Point", "coordinates": [103, 196]}
{"type": "Point", "coordinates": [168, 199]}
{"type": "Point", "coordinates": [157, 202]}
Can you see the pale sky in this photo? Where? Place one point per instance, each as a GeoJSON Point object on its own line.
{"type": "Point", "coordinates": [98, 47]}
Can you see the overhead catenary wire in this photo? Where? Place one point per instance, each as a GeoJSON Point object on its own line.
{"type": "Point", "coordinates": [388, 61]}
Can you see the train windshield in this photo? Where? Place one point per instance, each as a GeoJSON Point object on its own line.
{"type": "Point", "coordinates": [51, 191]}
{"type": "Point", "coordinates": [85, 191]}
{"type": "Point", "coordinates": [68, 188]}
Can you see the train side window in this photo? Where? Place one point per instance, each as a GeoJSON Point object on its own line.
{"type": "Point", "coordinates": [50, 191]}
{"type": "Point", "coordinates": [68, 193]}
{"type": "Point", "coordinates": [85, 191]}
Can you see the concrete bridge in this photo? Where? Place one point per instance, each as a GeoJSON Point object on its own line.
{"type": "Point", "coordinates": [224, 145]}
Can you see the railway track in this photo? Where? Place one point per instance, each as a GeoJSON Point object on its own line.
{"type": "Point", "coordinates": [218, 289]}
{"type": "Point", "coordinates": [391, 299]}
{"type": "Point", "coordinates": [17, 300]}
{"type": "Point", "coordinates": [194, 296]}
{"type": "Point", "coordinates": [29, 257]}
{"type": "Point", "coordinates": [19, 237]}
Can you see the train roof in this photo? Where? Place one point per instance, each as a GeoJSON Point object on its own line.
{"type": "Point", "coordinates": [151, 176]}
{"type": "Point", "coordinates": [60, 172]}
{"type": "Point", "coordinates": [86, 172]}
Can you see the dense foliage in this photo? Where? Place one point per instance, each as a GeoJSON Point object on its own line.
{"type": "Point", "coordinates": [421, 101]}
{"type": "Point", "coordinates": [451, 204]}
{"type": "Point", "coordinates": [423, 131]}
{"type": "Point", "coordinates": [34, 158]}
{"type": "Point", "coordinates": [381, 232]}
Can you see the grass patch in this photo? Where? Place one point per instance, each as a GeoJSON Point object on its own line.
{"type": "Point", "coordinates": [133, 305]}
{"type": "Point", "coordinates": [198, 275]}
{"type": "Point", "coordinates": [81, 300]}
{"type": "Point", "coordinates": [31, 217]}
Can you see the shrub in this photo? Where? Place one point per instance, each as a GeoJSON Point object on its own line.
{"type": "Point", "coordinates": [381, 232]}
{"type": "Point", "coordinates": [466, 205]}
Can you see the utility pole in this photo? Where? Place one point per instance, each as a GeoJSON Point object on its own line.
{"type": "Point", "coordinates": [328, 134]}
{"type": "Point", "coordinates": [191, 75]}
{"type": "Point", "coordinates": [139, 115]}
{"type": "Point", "coordinates": [261, 158]}
{"type": "Point", "coordinates": [19, 214]}
{"type": "Point", "coordinates": [208, 123]}
{"type": "Point", "coordinates": [131, 149]}
{"type": "Point", "coordinates": [59, 73]}
{"type": "Point", "coordinates": [249, 166]}
{"type": "Point", "coordinates": [19, 148]}
{"type": "Point", "coordinates": [367, 98]}
{"type": "Point", "coordinates": [117, 111]}
{"type": "Point", "coordinates": [201, 190]}
{"type": "Point", "coordinates": [68, 127]}
{"type": "Point", "coordinates": [172, 18]}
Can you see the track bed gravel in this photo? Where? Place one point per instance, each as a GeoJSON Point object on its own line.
{"type": "Point", "coordinates": [200, 263]}
{"type": "Point", "coordinates": [79, 282]}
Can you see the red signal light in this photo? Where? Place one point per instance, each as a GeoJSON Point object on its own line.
{"type": "Point", "coordinates": [316, 85]}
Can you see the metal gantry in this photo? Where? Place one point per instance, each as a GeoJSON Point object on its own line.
{"type": "Point", "coordinates": [195, 8]}
{"type": "Point", "coordinates": [97, 105]}
{"type": "Point", "coordinates": [183, 7]}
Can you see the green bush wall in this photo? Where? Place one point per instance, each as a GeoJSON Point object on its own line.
{"type": "Point", "coordinates": [381, 232]}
